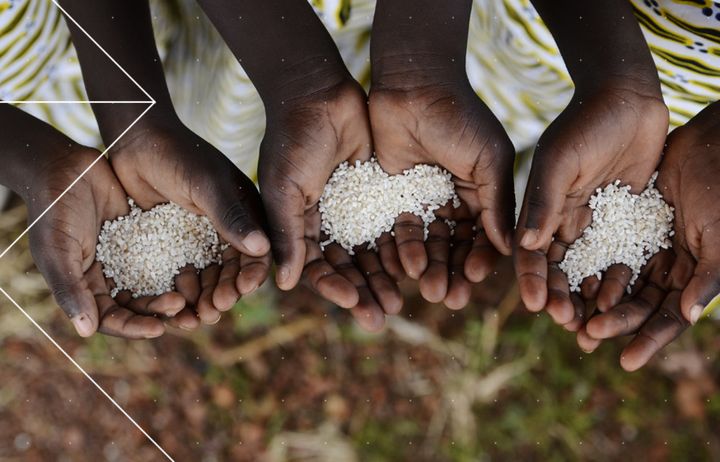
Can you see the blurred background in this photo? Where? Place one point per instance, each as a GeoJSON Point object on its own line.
{"type": "Point", "coordinates": [287, 377]}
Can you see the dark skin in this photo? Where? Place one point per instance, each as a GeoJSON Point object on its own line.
{"type": "Point", "coordinates": [39, 164]}
{"type": "Point", "coordinates": [423, 110]}
{"type": "Point", "coordinates": [613, 128]}
{"type": "Point", "coordinates": [678, 283]}
{"type": "Point", "coordinates": [316, 119]}
{"type": "Point", "coordinates": [159, 159]}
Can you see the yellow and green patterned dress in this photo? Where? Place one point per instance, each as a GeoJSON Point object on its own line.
{"type": "Point", "coordinates": [513, 63]}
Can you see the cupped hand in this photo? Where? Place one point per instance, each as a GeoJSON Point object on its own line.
{"type": "Point", "coordinates": [63, 245]}
{"type": "Point", "coordinates": [446, 124]}
{"type": "Point", "coordinates": [161, 160]}
{"type": "Point", "coordinates": [678, 283]}
{"type": "Point", "coordinates": [616, 131]}
{"type": "Point", "coordinates": [306, 139]}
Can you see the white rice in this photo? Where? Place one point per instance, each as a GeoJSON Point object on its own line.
{"type": "Point", "coordinates": [626, 228]}
{"type": "Point", "coordinates": [142, 252]}
{"type": "Point", "coordinates": [361, 201]}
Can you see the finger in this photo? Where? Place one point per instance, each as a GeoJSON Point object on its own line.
{"type": "Point", "coordinates": [122, 322]}
{"type": "Point", "coordinates": [614, 286]}
{"type": "Point", "coordinates": [459, 289]}
{"type": "Point", "coordinates": [59, 259]}
{"type": "Point", "coordinates": [253, 273]}
{"type": "Point", "coordinates": [434, 280]}
{"type": "Point", "coordinates": [235, 209]}
{"type": "Point", "coordinates": [326, 281]}
{"type": "Point", "coordinates": [541, 213]}
{"type": "Point", "coordinates": [580, 314]}
{"type": "Point", "coordinates": [589, 287]}
{"type": "Point", "coordinates": [206, 311]}
{"type": "Point", "coordinates": [168, 304]}
{"type": "Point", "coordinates": [382, 286]}
{"type": "Point", "coordinates": [662, 328]}
{"type": "Point", "coordinates": [410, 242]}
{"type": "Point", "coordinates": [627, 318]}
{"type": "Point", "coordinates": [482, 258]}
{"type": "Point", "coordinates": [585, 341]}
{"type": "Point", "coordinates": [186, 319]}
{"type": "Point", "coordinates": [388, 252]}
{"type": "Point", "coordinates": [559, 306]}
{"type": "Point", "coordinates": [531, 268]}
{"type": "Point", "coordinates": [498, 209]}
{"type": "Point", "coordinates": [703, 287]}
{"type": "Point", "coordinates": [187, 283]}
{"type": "Point", "coordinates": [367, 312]}
{"type": "Point", "coordinates": [226, 293]}
{"type": "Point", "coordinates": [285, 209]}
{"type": "Point", "coordinates": [116, 320]}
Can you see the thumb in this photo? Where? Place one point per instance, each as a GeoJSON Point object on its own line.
{"type": "Point", "coordinates": [235, 210]}
{"type": "Point", "coordinates": [545, 194]}
{"type": "Point", "coordinates": [703, 287]}
{"type": "Point", "coordinates": [285, 206]}
{"type": "Point", "coordinates": [61, 265]}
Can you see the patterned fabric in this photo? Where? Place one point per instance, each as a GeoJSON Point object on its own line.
{"type": "Point", "coordinates": [513, 63]}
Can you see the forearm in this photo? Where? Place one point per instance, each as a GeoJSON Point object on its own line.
{"type": "Point", "coordinates": [422, 41]}
{"type": "Point", "coordinates": [27, 146]}
{"type": "Point", "coordinates": [281, 44]}
{"type": "Point", "coordinates": [124, 30]}
{"type": "Point", "coordinates": [600, 42]}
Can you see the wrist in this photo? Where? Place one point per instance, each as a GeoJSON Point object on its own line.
{"type": "Point", "coordinates": [317, 89]}
{"type": "Point", "coordinates": [414, 69]}
{"type": "Point", "coordinates": [299, 80]}
{"type": "Point", "coordinates": [641, 81]}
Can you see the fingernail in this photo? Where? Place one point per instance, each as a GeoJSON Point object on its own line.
{"type": "Point", "coordinates": [83, 325]}
{"type": "Point", "coordinates": [508, 241]}
{"type": "Point", "coordinates": [283, 275]}
{"type": "Point", "coordinates": [529, 238]}
{"type": "Point", "coordinates": [256, 242]}
{"type": "Point", "coordinates": [695, 313]}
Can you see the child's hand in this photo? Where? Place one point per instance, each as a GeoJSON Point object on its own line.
{"type": "Point", "coordinates": [612, 132]}
{"type": "Point", "coordinates": [157, 162]}
{"type": "Point", "coordinates": [306, 138]}
{"type": "Point", "coordinates": [678, 283]}
{"type": "Point", "coordinates": [444, 123]}
{"type": "Point", "coordinates": [63, 246]}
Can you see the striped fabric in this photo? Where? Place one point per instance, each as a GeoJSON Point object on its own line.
{"type": "Point", "coordinates": [513, 63]}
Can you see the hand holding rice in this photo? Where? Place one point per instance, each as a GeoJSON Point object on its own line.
{"type": "Point", "coordinates": [626, 229]}
{"type": "Point", "coordinates": [361, 201]}
{"type": "Point", "coordinates": [143, 251]}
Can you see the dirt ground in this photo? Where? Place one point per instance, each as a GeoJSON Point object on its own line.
{"type": "Point", "coordinates": [287, 377]}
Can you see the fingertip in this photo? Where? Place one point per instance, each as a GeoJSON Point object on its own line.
{"type": "Point", "coordinates": [84, 325]}
{"type": "Point", "coordinates": [286, 278]}
{"type": "Point", "coordinates": [256, 244]}
{"type": "Point", "coordinates": [586, 343]}
{"type": "Point", "coordinates": [155, 331]}
{"type": "Point", "coordinates": [533, 296]}
{"type": "Point", "coordinates": [529, 239]}
{"type": "Point", "coordinates": [600, 327]}
{"type": "Point", "coordinates": [630, 363]}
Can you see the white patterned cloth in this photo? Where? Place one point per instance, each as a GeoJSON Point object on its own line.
{"type": "Point", "coordinates": [513, 63]}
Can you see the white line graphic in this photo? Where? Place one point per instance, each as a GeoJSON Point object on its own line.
{"type": "Point", "coordinates": [150, 102]}
{"type": "Point", "coordinates": [70, 358]}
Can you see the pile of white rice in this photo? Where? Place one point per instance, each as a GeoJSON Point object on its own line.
{"type": "Point", "coordinates": [361, 201]}
{"type": "Point", "coordinates": [626, 228]}
{"type": "Point", "coordinates": [144, 251]}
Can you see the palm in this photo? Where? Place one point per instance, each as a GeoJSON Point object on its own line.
{"type": "Point", "coordinates": [63, 245]}
{"type": "Point", "coordinates": [678, 280]}
{"type": "Point", "coordinates": [172, 164]}
{"type": "Point", "coordinates": [305, 141]}
{"type": "Point", "coordinates": [447, 125]}
{"type": "Point", "coordinates": [613, 134]}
